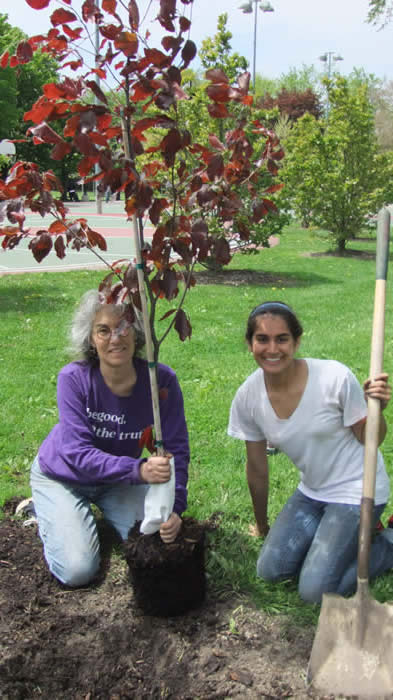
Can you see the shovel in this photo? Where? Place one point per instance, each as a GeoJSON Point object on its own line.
{"type": "Point", "coordinates": [352, 652]}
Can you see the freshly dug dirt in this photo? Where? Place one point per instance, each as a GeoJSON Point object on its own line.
{"type": "Point", "coordinates": [96, 644]}
{"type": "Point", "coordinates": [168, 579]}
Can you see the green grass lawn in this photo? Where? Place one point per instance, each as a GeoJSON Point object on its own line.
{"type": "Point", "coordinates": [334, 300]}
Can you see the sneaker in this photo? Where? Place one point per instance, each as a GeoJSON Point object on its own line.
{"type": "Point", "coordinates": [26, 509]}
{"type": "Point", "coordinates": [271, 450]}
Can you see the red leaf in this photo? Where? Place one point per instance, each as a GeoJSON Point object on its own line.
{"type": "Point", "coordinates": [170, 145]}
{"type": "Point", "coordinates": [218, 111]}
{"type": "Point", "coordinates": [155, 210]}
{"type": "Point", "coordinates": [24, 52]}
{"type": "Point", "coordinates": [216, 143]}
{"type": "Point", "coordinates": [147, 439]}
{"type": "Point", "coordinates": [167, 314]}
{"type": "Point", "coordinates": [57, 227]}
{"type": "Point", "coordinates": [109, 31]}
{"type": "Point", "coordinates": [95, 239]}
{"type": "Point", "coordinates": [189, 52]}
{"type": "Point", "coordinates": [53, 91]}
{"type": "Point", "coordinates": [109, 6]}
{"type": "Point", "coordinates": [4, 59]}
{"type": "Point", "coordinates": [62, 16]}
{"type": "Point", "coordinates": [127, 42]}
{"type": "Point", "coordinates": [130, 278]}
{"type": "Point", "coordinates": [38, 4]}
{"type": "Point", "coordinates": [156, 57]}
{"type": "Point", "coordinates": [169, 284]}
{"type": "Point", "coordinates": [89, 10]}
{"type": "Point", "coordinates": [182, 325]}
{"type": "Point", "coordinates": [222, 251]}
{"type": "Point", "coordinates": [243, 82]}
{"type": "Point", "coordinates": [100, 72]}
{"type": "Point", "coordinates": [271, 206]}
{"type": "Point", "coordinates": [184, 24]}
{"type": "Point", "coordinates": [44, 134]}
{"type": "Point", "coordinates": [60, 151]}
{"type": "Point", "coordinates": [216, 167]}
{"type": "Point", "coordinates": [274, 188]}
{"type": "Point", "coordinates": [259, 211]}
{"type": "Point", "coordinates": [98, 139]}
{"type": "Point", "coordinates": [171, 43]}
{"type": "Point", "coordinates": [97, 91]}
{"type": "Point", "coordinates": [40, 246]}
{"type": "Point", "coordinates": [85, 165]}
{"type": "Point", "coordinates": [60, 247]}
{"type": "Point", "coordinates": [73, 34]}
{"type": "Point", "coordinates": [248, 100]}
{"type": "Point", "coordinates": [216, 75]}
{"type": "Point", "coordinates": [84, 145]}
{"type": "Point", "coordinates": [133, 14]}
{"type": "Point", "coordinates": [130, 206]}
{"type": "Point", "coordinates": [218, 92]}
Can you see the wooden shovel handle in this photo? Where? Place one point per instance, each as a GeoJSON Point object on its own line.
{"type": "Point", "coordinates": [374, 405]}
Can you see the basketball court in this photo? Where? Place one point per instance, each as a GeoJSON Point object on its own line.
{"type": "Point", "coordinates": [112, 224]}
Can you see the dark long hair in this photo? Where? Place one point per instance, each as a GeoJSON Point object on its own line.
{"type": "Point", "coordinates": [276, 308]}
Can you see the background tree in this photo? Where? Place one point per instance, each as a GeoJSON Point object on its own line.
{"type": "Point", "coordinates": [293, 104]}
{"type": "Point", "coordinates": [216, 52]}
{"type": "Point", "coordinates": [334, 175]}
{"type": "Point", "coordinates": [9, 37]}
{"type": "Point", "coordinates": [381, 96]}
{"type": "Point", "coordinates": [380, 12]}
{"type": "Point", "coordinates": [20, 86]}
{"type": "Point", "coordinates": [295, 80]}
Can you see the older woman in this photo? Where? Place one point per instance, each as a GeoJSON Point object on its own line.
{"type": "Point", "coordinates": [92, 455]}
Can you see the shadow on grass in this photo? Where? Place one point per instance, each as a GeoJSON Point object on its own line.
{"type": "Point", "coordinates": [260, 278]}
{"type": "Point", "coordinates": [33, 298]}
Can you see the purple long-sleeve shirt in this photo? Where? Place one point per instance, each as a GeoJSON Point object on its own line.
{"type": "Point", "coordinates": [96, 440]}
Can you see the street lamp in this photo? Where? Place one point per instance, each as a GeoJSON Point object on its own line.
{"type": "Point", "coordinates": [247, 9]}
{"type": "Point", "coordinates": [330, 57]}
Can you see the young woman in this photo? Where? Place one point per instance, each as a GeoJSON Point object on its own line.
{"type": "Point", "coordinates": [315, 412]}
{"type": "Point", "coordinates": [93, 455]}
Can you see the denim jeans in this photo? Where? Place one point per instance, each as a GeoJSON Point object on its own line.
{"type": "Point", "coordinates": [318, 543]}
{"type": "Point", "coordinates": [67, 525]}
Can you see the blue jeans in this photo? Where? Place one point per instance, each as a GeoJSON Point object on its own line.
{"type": "Point", "coordinates": [318, 542]}
{"type": "Point", "coordinates": [67, 525]}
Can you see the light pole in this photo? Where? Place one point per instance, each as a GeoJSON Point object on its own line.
{"type": "Point", "coordinates": [330, 57]}
{"type": "Point", "coordinates": [247, 9]}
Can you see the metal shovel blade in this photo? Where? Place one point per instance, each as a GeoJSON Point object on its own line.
{"type": "Point", "coordinates": [353, 647]}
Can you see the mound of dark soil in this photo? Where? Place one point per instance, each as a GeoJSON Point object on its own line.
{"type": "Point", "coordinates": [168, 579]}
{"type": "Point", "coordinates": [95, 644]}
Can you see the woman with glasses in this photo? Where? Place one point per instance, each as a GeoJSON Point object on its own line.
{"type": "Point", "coordinates": [93, 454]}
{"type": "Point", "coordinates": [315, 412]}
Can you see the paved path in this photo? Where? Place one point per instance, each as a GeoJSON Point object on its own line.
{"type": "Point", "coordinates": [112, 224]}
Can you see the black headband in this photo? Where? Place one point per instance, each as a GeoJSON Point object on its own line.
{"type": "Point", "coordinates": [270, 305]}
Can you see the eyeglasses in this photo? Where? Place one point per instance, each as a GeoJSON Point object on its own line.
{"type": "Point", "coordinates": [105, 333]}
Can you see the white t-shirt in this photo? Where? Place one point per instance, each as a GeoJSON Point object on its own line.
{"type": "Point", "coordinates": [317, 437]}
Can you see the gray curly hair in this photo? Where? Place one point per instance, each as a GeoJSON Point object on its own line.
{"type": "Point", "coordinates": [81, 328]}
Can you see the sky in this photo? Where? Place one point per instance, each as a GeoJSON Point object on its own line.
{"type": "Point", "coordinates": [295, 34]}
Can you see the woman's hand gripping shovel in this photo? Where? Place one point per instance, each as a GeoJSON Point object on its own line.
{"type": "Point", "coordinates": [352, 652]}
